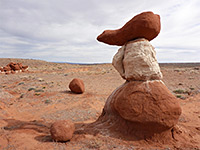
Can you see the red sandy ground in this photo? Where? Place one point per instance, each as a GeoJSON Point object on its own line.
{"type": "Point", "coordinates": [30, 102]}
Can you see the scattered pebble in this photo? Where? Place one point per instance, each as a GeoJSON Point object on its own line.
{"type": "Point", "coordinates": [40, 79]}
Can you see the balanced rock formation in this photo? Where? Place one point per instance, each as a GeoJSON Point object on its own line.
{"type": "Point", "coordinates": [62, 130]}
{"type": "Point", "coordinates": [77, 86]}
{"type": "Point", "coordinates": [136, 60]}
{"type": "Point", "coordinates": [143, 107]}
{"type": "Point", "coordinates": [145, 25]}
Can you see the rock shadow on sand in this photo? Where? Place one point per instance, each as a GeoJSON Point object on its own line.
{"type": "Point", "coordinates": [38, 126]}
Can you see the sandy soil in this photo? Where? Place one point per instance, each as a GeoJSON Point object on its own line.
{"type": "Point", "coordinates": [31, 101]}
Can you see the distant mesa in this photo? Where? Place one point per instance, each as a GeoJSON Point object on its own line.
{"type": "Point", "coordinates": [145, 25]}
{"type": "Point", "coordinates": [13, 68]}
{"type": "Point", "coordinates": [77, 86]}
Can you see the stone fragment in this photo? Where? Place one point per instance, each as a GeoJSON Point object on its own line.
{"type": "Point", "coordinates": [20, 65]}
{"type": "Point", "coordinates": [14, 66]}
{"type": "Point", "coordinates": [6, 69]}
{"type": "Point", "coordinates": [77, 86]}
{"type": "Point", "coordinates": [145, 25]}
{"type": "Point", "coordinates": [137, 61]}
{"type": "Point", "coordinates": [62, 130]}
{"type": "Point", "coordinates": [13, 72]}
{"type": "Point", "coordinates": [25, 67]}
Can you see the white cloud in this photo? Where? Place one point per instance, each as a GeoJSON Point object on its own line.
{"type": "Point", "coordinates": [66, 30]}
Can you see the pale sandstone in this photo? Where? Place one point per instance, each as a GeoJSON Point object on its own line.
{"type": "Point", "coordinates": [117, 61]}
{"type": "Point", "coordinates": [137, 61]}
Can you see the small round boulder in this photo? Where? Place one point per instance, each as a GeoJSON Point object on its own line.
{"type": "Point", "coordinates": [62, 130]}
{"type": "Point", "coordinates": [77, 86]}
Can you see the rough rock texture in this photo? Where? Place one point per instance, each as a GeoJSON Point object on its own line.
{"type": "Point", "coordinates": [13, 68]}
{"type": "Point", "coordinates": [77, 86]}
{"type": "Point", "coordinates": [137, 61]}
{"type": "Point", "coordinates": [148, 103]}
{"type": "Point", "coordinates": [6, 68]}
{"type": "Point", "coordinates": [62, 130]}
{"type": "Point", "coordinates": [140, 109]}
{"type": "Point", "coordinates": [145, 25]}
{"type": "Point", "coordinates": [118, 61]}
{"type": "Point", "coordinates": [24, 67]}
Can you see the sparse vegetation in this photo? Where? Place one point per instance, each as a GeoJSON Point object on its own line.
{"type": "Point", "coordinates": [191, 88]}
{"type": "Point", "coordinates": [39, 90]}
{"type": "Point", "coordinates": [30, 89]}
{"type": "Point", "coordinates": [178, 96]}
{"type": "Point", "coordinates": [47, 101]}
{"type": "Point", "coordinates": [179, 91]}
{"type": "Point", "coordinates": [37, 94]}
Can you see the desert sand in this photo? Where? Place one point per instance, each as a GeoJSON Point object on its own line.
{"type": "Point", "coordinates": [31, 101]}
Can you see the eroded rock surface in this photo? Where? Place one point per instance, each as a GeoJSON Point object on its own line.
{"type": "Point", "coordinates": [145, 25]}
{"type": "Point", "coordinates": [77, 86]}
{"type": "Point", "coordinates": [62, 130]}
{"type": "Point", "coordinates": [149, 104]}
{"type": "Point", "coordinates": [137, 61]}
{"type": "Point", "coordinates": [13, 68]}
{"type": "Point", "coordinates": [139, 110]}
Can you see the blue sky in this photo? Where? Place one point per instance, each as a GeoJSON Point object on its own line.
{"type": "Point", "coordinates": [66, 30]}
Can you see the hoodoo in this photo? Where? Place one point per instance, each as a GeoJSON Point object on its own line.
{"type": "Point", "coordinates": [143, 107]}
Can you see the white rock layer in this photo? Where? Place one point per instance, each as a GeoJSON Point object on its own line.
{"type": "Point", "coordinates": [136, 60]}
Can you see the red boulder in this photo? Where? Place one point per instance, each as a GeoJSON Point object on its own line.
{"type": "Point", "coordinates": [62, 130]}
{"type": "Point", "coordinates": [77, 86]}
{"type": "Point", "coordinates": [145, 25]}
{"type": "Point", "coordinates": [139, 110]}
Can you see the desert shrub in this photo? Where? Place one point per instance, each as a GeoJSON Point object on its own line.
{"type": "Point", "coordinates": [179, 91]}
{"type": "Point", "coordinates": [178, 96]}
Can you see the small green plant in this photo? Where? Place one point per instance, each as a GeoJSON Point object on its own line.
{"type": "Point", "coordinates": [191, 88]}
{"type": "Point", "coordinates": [39, 90]}
{"type": "Point", "coordinates": [47, 101]}
{"type": "Point", "coordinates": [179, 91]}
{"type": "Point", "coordinates": [37, 94]}
{"type": "Point", "coordinates": [21, 83]}
{"type": "Point", "coordinates": [178, 96]}
{"type": "Point", "coordinates": [30, 89]}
